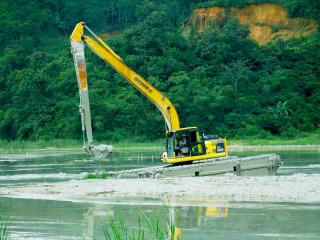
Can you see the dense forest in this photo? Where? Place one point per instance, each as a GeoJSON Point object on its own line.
{"type": "Point", "coordinates": [220, 80]}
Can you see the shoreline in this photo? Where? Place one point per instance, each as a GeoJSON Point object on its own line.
{"type": "Point", "coordinates": [306, 147]}
{"type": "Point", "coordinates": [231, 148]}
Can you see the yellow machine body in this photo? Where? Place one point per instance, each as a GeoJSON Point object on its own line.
{"type": "Point", "coordinates": [187, 145]}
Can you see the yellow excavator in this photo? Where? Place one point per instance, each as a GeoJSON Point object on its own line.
{"type": "Point", "coordinates": [183, 145]}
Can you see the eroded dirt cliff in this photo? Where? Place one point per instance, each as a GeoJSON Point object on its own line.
{"type": "Point", "coordinates": [266, 21]}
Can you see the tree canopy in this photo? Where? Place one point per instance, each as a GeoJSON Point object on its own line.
{"type": "Point", "coordinates": [220, 81]}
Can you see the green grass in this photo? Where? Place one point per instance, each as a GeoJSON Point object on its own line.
{"type": "Point", "coordinates": [152, 146]}
{"type": "Point", "coordinates": [3, 232]}
{"type": "Point", "coordinates": [310, 138]}
{"type": "Point", "coordinates": [71, 144]}
{"type": "Point", "coordinates": [155, 145]}
{"type": "Point", "coordinates": [3, 226]}
{"type": "Point", "coordinates": [96, 175]}
{"type": "Point", "coordinates": [54, 144]}
{"type": "Point", "coordinates": [134, 144]}
{"type": "Point", "coordinates": [148, 228]}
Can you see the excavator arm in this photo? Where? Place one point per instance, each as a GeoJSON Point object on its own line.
{"type": "Point", "coordinates": [79, 40]}
{"type": "Point", "coordinates": [77, 49]}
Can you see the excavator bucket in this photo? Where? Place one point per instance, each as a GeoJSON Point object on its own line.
{"type": "Point", "coordinates": [100, 152]}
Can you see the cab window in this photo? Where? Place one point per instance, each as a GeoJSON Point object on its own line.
{"type": "Point", "coordinates": [170, 146]}
{"type": "Point", "coordinates": [197, 144]}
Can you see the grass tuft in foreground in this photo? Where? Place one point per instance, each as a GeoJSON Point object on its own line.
{"type": "Point", "coordinates": [3, 227]}
{"type": "Point", "coordinates": [3, 232]}
{"type": "Point", "coordinates": [148, 228]}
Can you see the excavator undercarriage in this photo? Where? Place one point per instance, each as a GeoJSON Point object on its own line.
{"type": "Point", "coordinates": [254, 165]}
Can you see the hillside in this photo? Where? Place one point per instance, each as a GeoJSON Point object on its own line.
{"type": "Point", "coordinates": [220, 80]}
{"type": "Point", "coordinates": [266, 21]}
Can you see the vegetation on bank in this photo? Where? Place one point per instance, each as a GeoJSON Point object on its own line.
{"type": "Point", "coordinates": [220, 81]}
{"type": "Point", "coordinates": [53, 144]}
{"type": "Point", "coordinates": [277, 142]}
{"type": "Point", "coordinates": [76, 145]}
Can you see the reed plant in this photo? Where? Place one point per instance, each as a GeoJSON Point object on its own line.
{"type": "Point", "coordinates": [148, 228]}
{"type": "Point", "coordinates": [3, 226]}
{"type": "Point", "coordinates": [3, 231]}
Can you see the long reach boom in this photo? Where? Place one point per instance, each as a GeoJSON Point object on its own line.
{"type": "Point", "coordinates": [97, 45]}
{"type": "Point", "coordinates": [183, 144]}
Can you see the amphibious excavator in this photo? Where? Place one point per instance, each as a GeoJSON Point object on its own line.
{"type": "Point", "coordinates": [207, 153]}
{"type": "Point", "coordinates": [182, 144]}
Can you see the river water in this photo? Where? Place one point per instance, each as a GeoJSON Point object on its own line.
{"type": "Point", "coordinates": [201, 218]}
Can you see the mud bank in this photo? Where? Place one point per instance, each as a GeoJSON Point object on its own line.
{"type": "Point", "coordinates": [299, 188]}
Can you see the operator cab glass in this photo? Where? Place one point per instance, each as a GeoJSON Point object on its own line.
{"type": "Point", "coordinates": [185, 142]}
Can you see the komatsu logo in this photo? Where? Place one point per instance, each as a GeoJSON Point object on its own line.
{"type": "Point", "coordinates": [145, 86]}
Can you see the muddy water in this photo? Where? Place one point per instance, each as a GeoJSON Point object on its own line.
{"type": "Point", "coordinates": [200, 219]}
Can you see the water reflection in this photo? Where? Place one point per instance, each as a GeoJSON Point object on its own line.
{"type": "Point", "coordinates": [185, 216]}
{"type": "Point", "coordinates": [205, 219]}
{"type": "Point", "coordinates": [220, 220]}
{"type": "Point", "coordinates": [191, 218]}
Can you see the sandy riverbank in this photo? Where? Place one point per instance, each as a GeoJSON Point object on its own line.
{"type": "Point", "coordinates": [299, 188]}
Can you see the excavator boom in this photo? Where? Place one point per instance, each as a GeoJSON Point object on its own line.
{"type": "Point", "coordinates": [97, 45]}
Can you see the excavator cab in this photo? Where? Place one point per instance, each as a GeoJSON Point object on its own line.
{"type": "Point", "coordinates": [185, 142]}
{"type": "Point", "coordinates": [187, 145]}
